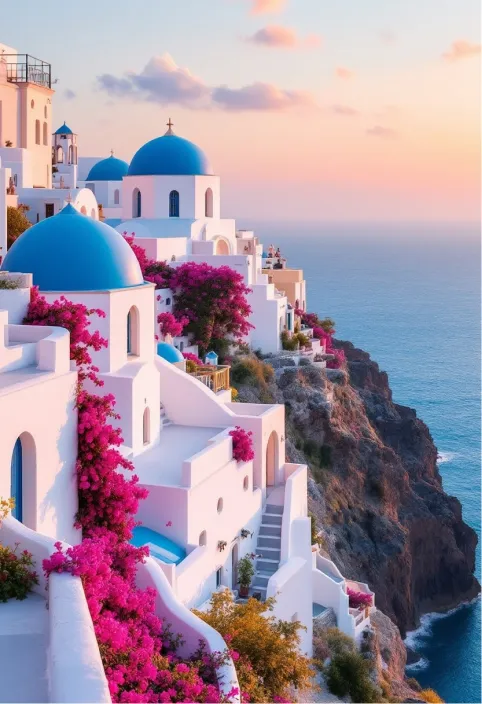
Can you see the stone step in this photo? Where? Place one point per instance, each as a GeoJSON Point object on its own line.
{"type": "Point", "coordinates": [271, 519]}
{"type": "Point", "coordinates": [266, 565]}
{"type": "Point", "coordinates": [272, 553]}
{"type": "Point", "coordinates": [261, 580]}
{"type": "Point", "coordinates": [270, 530]}
{"type": "Point", "coordinates": [273, 508]}
{"type": "Point", "coordinates": [269, 541]}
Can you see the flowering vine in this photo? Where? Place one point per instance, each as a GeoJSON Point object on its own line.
{"type": "Point", "coordinates": [242, 444]}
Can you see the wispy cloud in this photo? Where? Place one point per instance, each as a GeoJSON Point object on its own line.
{"type": "Point", "coordinates": [69, 94]}
{"type": "Point", "coordinates": [344, 110]}
{"type": "Point", "coordinates": [344, 73]}
{"type": "Point", "coordinates": [276, 36]}
{"type": "Point", "coordinates": [461, 49]}
{"type": "Point", "coordinates": [381, 132]}
{"type": "Point", "coordinates": [387, 36]}
{"type": "Point", "coordinates": [163, 81]}
{"type": "Point", "coordinates": [266, 7]}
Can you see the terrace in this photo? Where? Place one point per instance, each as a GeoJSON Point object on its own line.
{"type": "Point", "coordinates": [215, 378]}
{"type": "Point", "coordinates": [23, 68]}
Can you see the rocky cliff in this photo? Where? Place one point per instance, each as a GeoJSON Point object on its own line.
{"type": "Point", "coordinates": [375, 488]}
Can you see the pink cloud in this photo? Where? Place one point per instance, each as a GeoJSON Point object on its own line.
{"type": "Point", "coordinates": [381, 132]}
{"type": "Point", "coordinates": [461, 49]}
{"type": "Point", "coordinates": [344, 110]}
{"type": "Point", "coordinates": [264, 7]}
{"type": "Point", "coordinates": [343, 73]}
{"type": "Point", "coordinates": [260, 96]}
{"type": "Point", "coordinates": [276, 36]}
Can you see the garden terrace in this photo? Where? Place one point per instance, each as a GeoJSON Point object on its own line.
{"type": "Point", "coordinates": [215, 378]}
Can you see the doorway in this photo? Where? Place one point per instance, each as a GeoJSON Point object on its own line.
{"type": "Point", "coordinates": [271, 458]}
{"type": "Point", "coordinates": [49, 210]}
{"type": "Point", "coordinates": [234, 565]}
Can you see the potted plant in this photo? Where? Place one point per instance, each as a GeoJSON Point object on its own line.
{"type": "Point", "coordinates": [245, 574]}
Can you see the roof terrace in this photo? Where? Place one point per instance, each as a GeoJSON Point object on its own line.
{"type": "Point", "coordinates": [23, 68]}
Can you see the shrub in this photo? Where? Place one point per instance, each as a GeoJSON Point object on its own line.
{"type": "Point", "coordinates": [191, 366]}
{"type": "Point", "coordinates": [16, 578]}
{"type": "Point", "coordinates": [321, 650]}
{"type": "Point", "coordinates": [234, 394]}
{"type": "Point", "coordinates": [358, 599]}
{"type": "Point", "coordinates": [413, 684]}
{"type": "Point", "coordinates": [246, 570]}
{"type": "Point", "coordinates": [338, 642]}
{"type": "Point", "coordinates": [302, 339]}
{"type": "Point", "coordinates": [8, 284]}
{"type": "Point", "coordinates": [289, 343]}
{"type": "Point", "coordinates": [6, 505]}
{"type": "Point", "coordinates": [430, 695]}
{"type": "Point", "coordinates": [17, 222]}
{"type": "Point", "coordinates": [242, 444]}
{"type": "Point", "coordinates": [349, 674]}
{"type": "Point", "coordinates": [252, 371]}
{"type": "Point", "coordinates": [268, 660]}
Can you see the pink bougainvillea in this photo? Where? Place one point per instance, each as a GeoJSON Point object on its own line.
{"type": "Point", "coordinates": [242, 444]}
{"type": "Point", "coordinates": [358, 599]}
{"type": "Point", "coordinates": [190, 357]}
{"type": "Point", "coordinates": [157, 273]}
{"type": "Point", "coordinates": [170, 325]}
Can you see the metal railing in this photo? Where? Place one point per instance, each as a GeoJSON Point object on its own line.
{"type": "Point", "coordinates": [23, 68]}
{"type": "Point", "coordinates": [215, 378]}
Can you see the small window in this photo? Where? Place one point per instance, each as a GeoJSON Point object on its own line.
{"type": "Point", "coordinates": [246, 484]}
{"type": "Point", "coordinates": [133, 331]}
{"type": "Point", "coordinates": [220, 505]}
{"type": "Point", "coordinates": [174, 204]}
{"type": "Point", "coordinates": [116, 196]}
{"type": "Point", "coordinates": [219, 577]}
{"type": "Point", "coordinates": [83, 210]}
{"type": "Point", "coordinates": [146, 427]}
{"type": "Point", "coordinates": [181, 346]}
{"type": "Point", "coordinates": [32, 104]}
{"type": "Point", "coordinates": [37, 131]}
{"type": "Point", "coordinates": [71, 155]}
{"type": "Point", "coordinates": [45, 134]}
{"type": "Point", "coordinates": [168, 301]}
{"type": "Point", "coordinates": [45, 111]}
{"type": "Point", "coordinates": [136, 203]}
{"type": "Point", "coordinates": [92, 213]}
{"type": "Point", "coordinates": [208, 203]}
{"type": "Point", "coordinates": [203, 538]}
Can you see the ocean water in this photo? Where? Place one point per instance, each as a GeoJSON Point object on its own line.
{"type": "Point", "coordinates": [410, 296]}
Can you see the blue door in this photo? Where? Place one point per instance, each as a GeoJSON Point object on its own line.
{"type": "Point", "coordinates": [16, 480]}
{"type": "Point", "coordinates": [129, 335]}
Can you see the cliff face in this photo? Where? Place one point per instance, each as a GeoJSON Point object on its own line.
{"type": "Point", "coordinates": [375, 488]}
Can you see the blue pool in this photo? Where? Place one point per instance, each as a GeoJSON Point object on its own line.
{"type": "Point", "coordinates": [160, 547]}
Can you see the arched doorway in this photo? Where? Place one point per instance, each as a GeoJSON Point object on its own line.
{"type": "Point", "coordinates": [234, 565]}
{"type": "Point", "coordinates": [23, 480]}
{"type": "Point", "coordinates": [222, 248]}
{"type": "Point", "coordinates": [136, 203]}
{"type": "Point", "coordinates": [271, 458]}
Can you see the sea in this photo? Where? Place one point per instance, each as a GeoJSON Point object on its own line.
{"type": "Point", "coordinates": [410, 296]}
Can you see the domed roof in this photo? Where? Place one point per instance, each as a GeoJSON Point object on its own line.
{"type": "Point", "coordinates": [169, 155]}
{"type": "Point", "coordinates": [64, 129]}
{"type": "Point", "coordinates": [73, 252]}
{"type": "Point", "coordinates": [169, 352]}
{"type": "Point", "coordinates": [110, 169]}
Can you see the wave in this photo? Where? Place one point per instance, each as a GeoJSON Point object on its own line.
{"type": "Point", "coordinates": [444, 457]}
{"type": "Point", "coordinates": [421, 664]}
{"type": "Point", "coordinates": [418, 637]}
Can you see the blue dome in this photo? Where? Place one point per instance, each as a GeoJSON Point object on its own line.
{"type": "Point", "coordinates": [169, 156]}
{"type": "Point", "coordinates": [169, 352]}
{"type": "Point", "coordinates": [73, 252]}
{"type": "Point", "coordinates": [110, 169]}
{"type": "Point", "coordinates": [64, 129]}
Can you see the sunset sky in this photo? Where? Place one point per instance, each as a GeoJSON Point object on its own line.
{"type": "Point", "coordinates": [308, 109]}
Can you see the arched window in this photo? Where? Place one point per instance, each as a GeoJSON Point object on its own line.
{"type": "Point", "coordinates": [60, 155]}
{"type": "Point", "coordinates": [37, 131]}
{"type": "Point", "coordinates": [203, 538]}
{"type": "Point", "coordinates": [92, 213]}
{"type": "Point", "coordinates": [208, 203]}
{"type": "Point", "coordinates": [45, 134]}
{"type": "Point", "coordinates": [174, 204]}
{"type": "Point", "coordinates": [23, 480]}
{"type": "Point", "coordinates": [146, 427]}
{"type": "Point", "coordinates": [220, 505]}
{"type": "Point", "coordinates": [71, 155]}
{"type": "Point", "coordinates": [136, 203]}
{"type": "Point", "coordinates": [246, 483]}
{"type": "Point", "coordinates": [133, 331]}
{"type": "Point", "coordinates": [116, 196]}
{"type": "Point", "coordinates": [16, 480]}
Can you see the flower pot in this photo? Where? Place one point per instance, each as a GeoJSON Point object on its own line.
{"type": "Point", "coordinates": [243, 590]}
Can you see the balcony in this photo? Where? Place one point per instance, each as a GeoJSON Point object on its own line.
{"type": "Point", "coordinates": [215, 378]}
{"type": "Point", "coordinates": [23, 68]}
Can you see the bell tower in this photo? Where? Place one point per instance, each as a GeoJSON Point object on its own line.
{"type": "Point", "coordinates": [64, 158]}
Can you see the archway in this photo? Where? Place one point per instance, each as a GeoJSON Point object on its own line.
{"type": "Point", "coordinates": [60, 155]}
{"type": "Point", "coordinates": [271, 458]}
{"type": "Point", "coordinates": [234, 565]}
{"type": "Point", "coordinates": [208, 205]}
{"type": "Point", "coordinates": [37, 131]}
{"type": "Point", "coordinates": [136, 203]}
{"type": "Point", "coordinates": [222, 248]}
{"type": "Point", "coordinates": [174, 204]}
{"type": "Point", "coordinates": [133, 331]}
{"type": "Point", "coordinates": [146, 427]}
{"type": "Point", "coordinates": [23, 480]}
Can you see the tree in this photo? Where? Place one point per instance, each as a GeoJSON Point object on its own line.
{"type": "Point", "coordinates": [265, 649]}
{"type": "Point", "coordinates": [17, 222]}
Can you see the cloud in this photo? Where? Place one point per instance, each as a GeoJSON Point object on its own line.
{"type": "Point", "coordinates": [387, 36]}
{"type": "Point", "coordinates": [265, 7]}
{"type": "Point", "coordinates": [382, 132]}
{"type": "Point", "coordinates": [461, 49]}
{"type": "Point", "coordinates": [163, 81]}
{"type": "Point", "coordinates": [283, 38]}
{"type": "Point", "coordinates": [344, 110]}
{"type": "Point", "coordinates": [69, 94]}
{"type": "Point", "coordinates": [260, 96]}
{"type": "Point", "coordinates": [344, 73]}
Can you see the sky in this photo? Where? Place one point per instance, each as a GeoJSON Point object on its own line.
{"type": "Point", "coordinates": [309, 110]}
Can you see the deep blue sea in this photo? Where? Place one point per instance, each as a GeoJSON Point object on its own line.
{"type": "Point", "coordinates": [410, 295]}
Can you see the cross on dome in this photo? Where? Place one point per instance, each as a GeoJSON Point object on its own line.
{"type": "Point", "coordinates": [170, 125]}
{"type": "Point", "coordinates": [112, 152]}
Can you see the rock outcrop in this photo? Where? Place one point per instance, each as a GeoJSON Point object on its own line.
{"type": "Point", "coordinates": [375, 488]}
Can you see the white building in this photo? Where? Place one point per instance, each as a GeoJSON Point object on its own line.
{"type": "Point", "coordinates": [105, 181]}
{"type": "Point", "coordinates": [64, 158]}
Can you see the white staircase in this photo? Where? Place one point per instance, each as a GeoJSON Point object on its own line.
{"type": "Point", "coordinates": [268, 549]}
